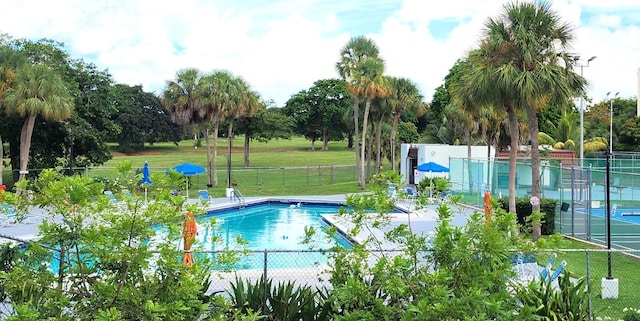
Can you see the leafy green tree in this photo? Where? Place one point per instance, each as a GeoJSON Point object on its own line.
{"type": "Point", "coordinates": [407, 133]}
{"type": "Point", "coordinates": [630, 133]}
{"type": "Point", "coordinates": [263, 126]}
{"type": "Point", "coordinates": [318, 111]}
{"type": "Point", "coordinates": [141, 118]}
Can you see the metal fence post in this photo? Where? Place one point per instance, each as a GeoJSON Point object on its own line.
{"type": "Point", "coordinates": [264, 279]}
{"type": "Point", "coordinates": [283, 176]}
{"type": "Point", "coordinates": [331, 168]}
{"type": "Point", "coordinates": [319, 174]}
{"type": "Point", "coordinates": [589, 307]}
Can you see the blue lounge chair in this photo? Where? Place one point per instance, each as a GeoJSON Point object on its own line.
{"type": "Point", "coordinates": [203, 194]}
{"type": "Point", "coordinates": [411, 193]}
{"type": "Point", "coordinates": [558, 270]}
{"type": "Point", "coordinates": [127, 194]}
{"type": "Point", "coordinates": [9, 217]}
{"type": "Point", "coordinates": [112, 198]}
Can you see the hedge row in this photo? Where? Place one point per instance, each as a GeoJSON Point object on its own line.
{"type": "Point", "coordinates": [523, 210]}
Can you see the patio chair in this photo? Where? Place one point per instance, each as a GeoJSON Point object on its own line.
{"type": "Point", "coordinates": [391, 191]}
{"type": "Point", "coordinates": [127, 194]}
{"type": "Point", "coordinates": [112, 198]}
{"type": "Point", "coordinates": [203, 194]}
{"type": "Point", "coordinates": [546, 273]}
{"type": "Point", "coordinates": [411, 193]}
{"type": "Point", "coordinates": [8, 216]}
{"type": "Point", "coordinates": [558, 270]}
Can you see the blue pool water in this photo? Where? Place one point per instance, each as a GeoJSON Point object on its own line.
{"type": "Point", "coordinates": [271, 226]}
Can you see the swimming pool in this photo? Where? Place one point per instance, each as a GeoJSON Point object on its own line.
{"type": "Point", "coordinates": [275, 226]}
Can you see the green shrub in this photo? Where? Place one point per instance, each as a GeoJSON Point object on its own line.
{"type": "Point", "coordinates": [523, 210]}
{"type": "Point", "coordinates": [437, 184]}
{"type": "Point", "coordinates": [568, 300]}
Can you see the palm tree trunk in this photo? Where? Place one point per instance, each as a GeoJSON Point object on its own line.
{"type": "Point", "coordinates": [467, 137]}
{"type": "Point", "coordinates": [535, 169]}
{"type": "Point", "coordinates": [378, 146]}
{"type": "Point", "coordinates": [359, 163]}
{"type": "Point", "coordinates": [367, 107]}
{"type": "Point", "coordinates": [25, 144]}
{"type": "Point", "coordinates": [205, 133]}
{"type": "Point", "coordinates": [394, 131]}
{"type": "Point", "coordinates": [1, 159]}
{"type": "Point", "coordinates": [514, 132]}
{"type": "Point", "coordinates": [216, 130]}
{"type": "Point", "coordinates": [230, 146]}
{"type": "Point", "coordinates": [247, 141]}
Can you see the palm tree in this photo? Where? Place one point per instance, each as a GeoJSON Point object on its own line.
{"type": "Point", "coordinates": [243, 101]}
{"type": "Point", "coordinates": [404, 94]}
{"type": "Point", "coordinates": [38, 91]}
{"type": "Point", "coordinates": [9, 62]}
{"type": "Point", "coordinates": [531, 44]}
{"type": "Point", "coordinates": [183, 98]}
{"type": "Point", "coordinates": [379, 116]}
{"type": "Point", "coordinates": [215, 94]}
{"type": "Point", "coordinates": [351, 67]}
{"type": "Point", "coordinates": [478, 84]}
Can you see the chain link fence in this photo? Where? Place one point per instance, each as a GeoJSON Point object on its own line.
{"type": "Point", "coordinates": [312, 268]}
{"type": "Point", "coordinates": [259, 176]}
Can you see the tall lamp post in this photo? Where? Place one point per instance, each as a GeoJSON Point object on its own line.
{"type": "Point", "coordinates": [582, 65]}
{"type": "Point", "coordinates": [611, 122]}
{"type": "Point", "coordinates": [609, 284]}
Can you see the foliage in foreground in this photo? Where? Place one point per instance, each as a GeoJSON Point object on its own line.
{"type": "Point", "coordinates": [110, 269]}
{"type": "Point", "coordinates": [95, 260]}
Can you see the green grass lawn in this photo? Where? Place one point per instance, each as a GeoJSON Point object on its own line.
{"type": "Point", "coordinates": [279, 167]}
{"type": "Point", "coordinates": [624, 268]}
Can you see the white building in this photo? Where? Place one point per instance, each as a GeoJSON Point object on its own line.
{"type": "Point", "coordinates": [465, 175]}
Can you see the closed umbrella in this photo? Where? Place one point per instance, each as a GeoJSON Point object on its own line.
{"type": "Point", "coordinates": [189, 230]}
{"type": "Point", "coordinates": [146, 178]}
{"type": "Point", "coordinates": [188, 169]}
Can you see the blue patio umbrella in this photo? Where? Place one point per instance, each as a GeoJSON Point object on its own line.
{"type": "Point", "coordinates": [189, 169]}
{"type": "Point", "coordinates": [146, 178]}
{"type": "Point", "coordinates": [432, 167]}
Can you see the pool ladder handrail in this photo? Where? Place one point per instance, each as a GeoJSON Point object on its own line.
{"type": "Point", "coordinates": [235, 194]}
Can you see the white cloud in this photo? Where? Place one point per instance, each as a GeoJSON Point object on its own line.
{"type": "Point", "coordinates": [282, 46]}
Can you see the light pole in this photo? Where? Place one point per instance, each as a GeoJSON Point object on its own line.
{"type": "Point", "coordinates": [608, 187]}
{"type": "Point", "coordinates": [581, 65]}
{"type": "Point", "coordinates": [611, 122]}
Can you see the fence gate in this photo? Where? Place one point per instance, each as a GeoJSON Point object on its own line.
{"type": "Point", "coordinates": [580, 226]}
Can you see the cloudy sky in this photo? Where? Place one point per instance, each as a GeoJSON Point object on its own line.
{"type": "Point", "coordinates": [283, 46]}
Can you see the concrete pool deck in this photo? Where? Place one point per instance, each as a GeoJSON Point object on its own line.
{"type": "Point", "coordinates": [422, 221]}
